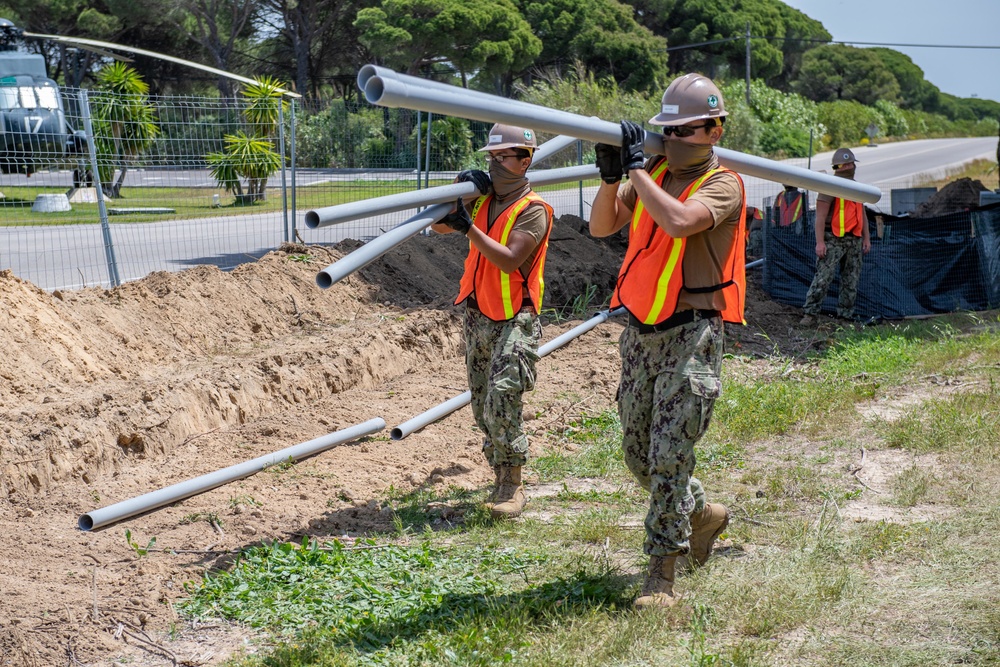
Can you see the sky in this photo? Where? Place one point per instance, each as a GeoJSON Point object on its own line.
{"type": "Point", "coordinates": [960, 72]}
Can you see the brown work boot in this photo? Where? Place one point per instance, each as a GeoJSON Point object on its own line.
{"type": "Point", "coordinates": [706, 525]}
{"type": "Point", "coordinates": [658, 591]}
{"type": "Point", "coordinates": [509, 500]}
{"type": "Point", "coordinates": [807, 320]}
{"type": "Point", "coordinates": [492, 498]}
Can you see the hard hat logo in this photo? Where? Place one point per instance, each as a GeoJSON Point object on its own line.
{"type": "Point", "coordinates": [713, 102]}
{"type": "Point", "coordinates": [527, 135]}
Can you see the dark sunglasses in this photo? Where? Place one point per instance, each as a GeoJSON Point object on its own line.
{"type": "Point", "coordinates": [684, 130]}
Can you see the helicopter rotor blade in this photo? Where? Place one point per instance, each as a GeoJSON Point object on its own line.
{"type": "Point", "coordinates": [78, 41]}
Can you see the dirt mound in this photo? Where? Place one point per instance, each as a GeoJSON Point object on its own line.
{"type": "Point", "coordinates": [109, 394]}
{"type": "Point", "coordinates": [960, 195]}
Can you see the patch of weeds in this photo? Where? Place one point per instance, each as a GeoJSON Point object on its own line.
{"type": "Point", "coordinates": [280, 466]}
{"type": "Point", "coordinates": [302, 258]}
{"type": "Point", "coordinates": [410, 509]}
{"type": "Point", "coordinates": [136, 547]}
{"type": "Point", "coordinates": [796, 481]}
{"type": "Point", "coordinates": [599, 454]}
{"type": "Point", "coordinates": [878, 540]}
{"type": "Point", "coordinates": [244, 500]}
{"type": "Point", "coordinates": [911, 486]}
{"type": "Point", "coordinates": [388, 604]}
{"type": "Point", "coordinates": [965, 423]}
{"type": "Point", "coordinates": [592, 495]}
{"type": "Point", "coordinates": [208, 517]}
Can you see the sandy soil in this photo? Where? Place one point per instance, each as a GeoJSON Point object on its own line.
{"type": "Point", "coordinates": [108, 394]}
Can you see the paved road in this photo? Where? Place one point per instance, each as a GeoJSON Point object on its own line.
{"type": "Point", "coordinates": [73, 256]}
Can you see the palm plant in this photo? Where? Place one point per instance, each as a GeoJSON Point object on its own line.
{"type": "Point", "coordinates": [250, 155]}
{"type": "Point", "coordinates": [124, 123]}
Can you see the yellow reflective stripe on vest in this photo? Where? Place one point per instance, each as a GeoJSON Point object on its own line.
{"type": "Point", "coordinates": [662, 167]}
{"type": "Point", "coordinates": [840, 217]}
{"type": "Point", "coordinates": [508, 306]}
{"type": "Point", "coordinates": [676, 254]}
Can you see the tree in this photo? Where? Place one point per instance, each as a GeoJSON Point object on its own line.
{"type": "Point", "coordinates": [603, 35]}
{"type": "Point", "coordinates": [217, 26]}
{"type": "Point", "coordinates": [250, 154]}
{"type": "Point", "coordinates": [837, 72]}
{"type": "Point", "coordinates": [492, 38]}
{"type": "Point", "coordinates": [915, 92]}
{"type": "Point", "coordinates": [124, 123]}
{"type": "Point", "coordinates": [692, 21]}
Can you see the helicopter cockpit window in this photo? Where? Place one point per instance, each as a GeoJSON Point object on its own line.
{"type": "Point", "coordinates": [47, 98]}
{"type": "Point", "coordinates": [8, 98]}
{"type": "Point", "coordinates": [28, 97]}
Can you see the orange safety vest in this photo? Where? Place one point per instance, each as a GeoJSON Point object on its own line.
{"type": "Point", "coordinates": [501, 295]}
{"type": "Point", "coordinates": [652, 276]}
{"type": "Point", "coordinates": [789, 212]}
{"type": "Point", "coordinates": [846, 217]}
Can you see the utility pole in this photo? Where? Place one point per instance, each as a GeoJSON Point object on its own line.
{"type": "Point", "coordinates": [748, 63]}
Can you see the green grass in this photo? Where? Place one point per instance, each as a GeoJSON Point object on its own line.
{"type": "Point", "coordinates": [193, 203]}
{"type": "Point", "coordinates": [801, 579]}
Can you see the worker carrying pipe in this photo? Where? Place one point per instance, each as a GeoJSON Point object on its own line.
{"type": "Point", "coordinates": [502, 287]}
{"type": "Point", "coordinates": [683, 275]}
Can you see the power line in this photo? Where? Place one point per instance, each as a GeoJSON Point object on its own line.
{"type": "Point", "coordinates": [828, 41]}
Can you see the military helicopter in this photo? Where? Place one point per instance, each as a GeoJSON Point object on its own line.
{"type": "Point", "coordinates": [33, 126]}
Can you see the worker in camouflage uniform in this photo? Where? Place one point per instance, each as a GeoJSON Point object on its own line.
{"type": "Point", "coordinates": [841, 240]}
{"type": "Point", "coordinates": [682, 276]}
{"type": "Point", "coordinates": [508, 230]}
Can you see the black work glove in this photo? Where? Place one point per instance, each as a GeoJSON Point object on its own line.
{"type": "Point", "coordinates": [478, 177]}
{"type": "Point", "coordinates": [609, 161]}
{"type": "Point", "coordinates": [459, 220]}
{"type": "Point", "coordinates": [633, 137]}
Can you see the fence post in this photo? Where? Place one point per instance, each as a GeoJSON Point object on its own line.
{"type": "Point", "coordinates": [281, 151]}
{"type": "Point", "coordinates": [109, 247]}
{"type": "Point", "coordinates": [292, 137]}
{"type": "Point", "coordinates": [420, 141]}
{"type": "Point", "coordinates": [427, 162]}
{"type": "Point", "coordinates": [579, 161]}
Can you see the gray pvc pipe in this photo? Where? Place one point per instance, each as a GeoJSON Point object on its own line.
{"type": "Point", "coordinates": [755, 263]}
{"type": "Point", "coordinates": [365, 208]}
{"type": "Point", "coordinates": [380, 245]}
{"type": "Point", "coordinates": [192, 487]}
{"type": "Point", "coordinates": [463, 399]}
{"type": "Point", "coordinates": [392, 92]}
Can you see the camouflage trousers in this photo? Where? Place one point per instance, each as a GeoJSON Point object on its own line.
{"type": "Point", "coordinates": [669, 384]}
{"type": "Point", "coordinates": [845, 252]}
{"type": "Point", "coordinates": [500, 359]}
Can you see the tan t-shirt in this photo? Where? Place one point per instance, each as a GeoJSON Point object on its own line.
{"type": "Point", "coordinates": [705, 251]}
{"type": "Point", "coordinates": [532, 220]}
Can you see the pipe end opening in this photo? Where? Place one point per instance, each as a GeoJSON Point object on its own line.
{"type": "Point", "coordinates": [374, 90]}
{"type": "Point", "coordinates": [364, 74]}
{"type": "Point", "coordinates": [324, 280]}
{"type": "Point", "coordinates": [86, 523]}
{"type": "Point", "coordinates": [312, 219]}
{"type": "Point", "coordinates": [396, 434]}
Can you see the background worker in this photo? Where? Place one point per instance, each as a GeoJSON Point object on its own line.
{"type": "Point", "coordinates": [502, 289]}
{"type": "Point", "coordinates": [790, 206]}
{"type": "Point", "coordinates": [841, 240]}
{"type": "Point", "coordinates": [683, 274]}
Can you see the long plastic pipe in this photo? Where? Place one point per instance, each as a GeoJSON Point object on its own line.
{"type": "Point", "coordinates": [463, 399]}
{"type": "Point", "coordinates": [391, 91]}
{"type": "Point", "coordinates": [365, 208]}
{"type": "Point", "coordinates": [380, 245]}
{"type": "Point", "coordinates": [192, 487]}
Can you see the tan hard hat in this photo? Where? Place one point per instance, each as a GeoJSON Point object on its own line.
{"type": "Point", "coordinates": [510, 136]}
{"type": "Point", "coordinates": [843, 156]}
{"type": "Point", "coordinates": [687, 98]}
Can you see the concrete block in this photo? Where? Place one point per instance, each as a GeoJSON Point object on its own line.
{"type": "Point", "coordinates": [51, 204]}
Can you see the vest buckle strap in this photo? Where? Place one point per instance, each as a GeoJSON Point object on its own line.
{"type": "Point", "coordinates": [675, 320]}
